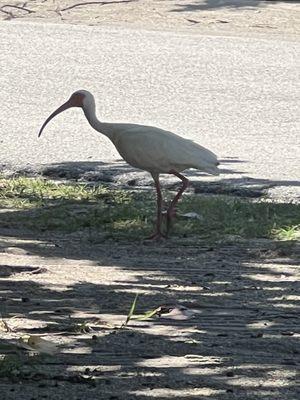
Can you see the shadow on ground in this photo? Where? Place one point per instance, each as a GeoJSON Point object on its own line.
{"type": "Point", "coordinates": [241, 340]}
{"type": "Point", "coordinates": [206, 5]}
{"type": "Point", "coordinates": [121, 174]}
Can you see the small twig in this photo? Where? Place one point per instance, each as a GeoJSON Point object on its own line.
{"type": "Point", "coordinates": [102, 3]}
{"type": "Point", "coordinates": [18, 7]}
{"type": "Point", "coordinates": [37, 270]}
{"type": "Point", "coordinates": [58, 9]}
{"type": "Point", "coordinates": [7, 13]}
{"type": "Point", "coordinates": [193, 21]}
{"type": "Point", "coordinates": [5, 325]}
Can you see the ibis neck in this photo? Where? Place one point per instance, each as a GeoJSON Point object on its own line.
{"type": "Point", "coordinates": [102, 127]}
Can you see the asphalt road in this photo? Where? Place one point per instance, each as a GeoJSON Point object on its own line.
{"type": "Point", "coordinates": [237, 96]}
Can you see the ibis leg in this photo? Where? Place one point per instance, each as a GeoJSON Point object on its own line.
{"type": "Point", "coordinates": [172, 208]}
{"type": "Point", "coordinates": [157, 233]}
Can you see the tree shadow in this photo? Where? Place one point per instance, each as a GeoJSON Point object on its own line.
{"type": "Point", "coordinates": [123, 175]}
{"type": "Point", "coordinates": [207, 5]}
{"type": "Point", "coordinates": [240, 342]}
{"type": "Point", "coordinates": [245, 327]}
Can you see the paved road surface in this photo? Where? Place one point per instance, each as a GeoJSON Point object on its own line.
{"type": "Point", "coordinates": [238, 96]}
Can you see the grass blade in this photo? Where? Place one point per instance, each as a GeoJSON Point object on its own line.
{"type": "Point", "coordinates": [131, 311]}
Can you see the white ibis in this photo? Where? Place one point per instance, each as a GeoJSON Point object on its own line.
{"type": "Point", "coordinates": [148, 148]}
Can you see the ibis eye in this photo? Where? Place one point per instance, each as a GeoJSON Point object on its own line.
{"type": "Point", "coordinates": [77, 99]}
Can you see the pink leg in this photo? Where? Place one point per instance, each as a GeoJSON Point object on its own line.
{"type": "Point", "coordinates": [171, 210]}
{"type": "Point", "coordinates": [157, 233]}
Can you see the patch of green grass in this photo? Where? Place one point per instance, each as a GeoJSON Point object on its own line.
{"type": "Point", "coordinates": [42, 205]}
{"type": "Point", "coordinates": [245, 218]}
{"type": "Point", "coordinates": [287, 232]}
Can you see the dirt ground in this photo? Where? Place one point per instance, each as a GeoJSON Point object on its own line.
{"type": "Point", "coordinates": [239, 338]}
{"type": "Point", "coordinates": [226, 17]}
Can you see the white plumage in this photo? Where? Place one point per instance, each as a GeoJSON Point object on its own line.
{"type": "Point", "coordinates": [148, 148]}
{"type": "Point", "coordinates": [156, 150]}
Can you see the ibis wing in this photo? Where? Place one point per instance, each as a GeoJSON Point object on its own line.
{"type": "Point", "coordinates": [157, 150]}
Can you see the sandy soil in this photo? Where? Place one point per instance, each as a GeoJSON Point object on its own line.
{"type": "Point", "coordinates": [242, 338]}
{"type": "Point", "coordinates": [229, 17]}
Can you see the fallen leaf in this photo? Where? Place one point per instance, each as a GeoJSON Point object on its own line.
{"type": "Point", "coordinates": [173, 311]}
{"type": "Point", "coordinates": [176, 312]}
{"type": "Point", "coordinates": [38, 344]}
{"type": "Point", "coordinates": [192, 215]}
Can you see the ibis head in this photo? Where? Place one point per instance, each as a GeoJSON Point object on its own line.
{"type": "Point", "coordinates": [77, 99]}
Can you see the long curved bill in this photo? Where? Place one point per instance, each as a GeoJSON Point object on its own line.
{"type": "Point", "coordinates": [60, 109]}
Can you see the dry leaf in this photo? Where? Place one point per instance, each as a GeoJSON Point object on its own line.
{"type": "Point", "coordinates": [36, 343]}
{"type": "Point", "coordinates": [176, 312]}
{"type": "Point", "coordinates": [192, 215]}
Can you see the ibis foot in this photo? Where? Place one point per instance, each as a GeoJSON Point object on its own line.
{"type": "Point", "coordinates": [156, 236]}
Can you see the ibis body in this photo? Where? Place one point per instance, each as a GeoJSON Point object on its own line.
{"type": "Point", "coordinates": [148, 148]}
